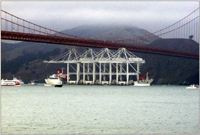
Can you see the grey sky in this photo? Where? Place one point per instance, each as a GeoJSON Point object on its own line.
{"type": "Point", "coordinates": [61, 15]}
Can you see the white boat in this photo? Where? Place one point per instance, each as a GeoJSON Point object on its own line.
{"type": "Point", "coordinates": [56, 79]}
{"type": "Point", "coordinates": [7, 83]}
{"type": "Point", "coordinates": [193, 86]}
{"type": "Point", "coordinates": [10, 82]}
{"type": "Point", "coordinates": [144, 82]}
{"type": "Point", "coordinates": [33, 83]}
{"type": "Point", "coordinates": [13, 82]}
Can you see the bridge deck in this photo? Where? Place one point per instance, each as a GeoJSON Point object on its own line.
{"type": "Point", "coordinates": [8, 35]}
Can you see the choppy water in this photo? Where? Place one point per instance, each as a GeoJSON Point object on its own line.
{"type": "Point", "coordinates": [99, 110]}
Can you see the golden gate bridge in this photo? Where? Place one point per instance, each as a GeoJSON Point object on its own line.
{"type": "Point", "coordinates": [16, 28]}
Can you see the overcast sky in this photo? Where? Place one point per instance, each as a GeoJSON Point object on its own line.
{"type": "Point", "coordinates": [61, 15]}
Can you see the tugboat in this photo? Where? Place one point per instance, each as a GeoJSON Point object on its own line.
{"type": "Point", "coordinates": [144, 82]}
{"type": "Point", "coordinates": [56, 79]}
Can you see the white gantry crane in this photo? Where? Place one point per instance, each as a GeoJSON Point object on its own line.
{"type": "Point", "coordinates": [103, 67]}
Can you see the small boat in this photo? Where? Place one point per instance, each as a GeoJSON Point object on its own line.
{"type": "Point", "coordinates": [33, 83]}
{"type": "Point", "coordinates": [193, 86]}
{"type": "Point", "coordinates": [144, 82]}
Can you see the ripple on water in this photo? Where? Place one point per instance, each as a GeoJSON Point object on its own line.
{"type": "Point", "coordinates": [96, 110]}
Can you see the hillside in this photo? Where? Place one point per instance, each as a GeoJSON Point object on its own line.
{"type": "Point", "coordinates": [109, 32]}
{"type": "Point", "coordinates": [25, 59]}
{"type": "Point", "coordinates": [185, 45]}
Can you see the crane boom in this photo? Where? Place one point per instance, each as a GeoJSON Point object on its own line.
{"type": "Point", "coordinates": [147, 73]}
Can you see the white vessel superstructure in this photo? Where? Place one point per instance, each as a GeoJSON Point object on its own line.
{"type": "Point", "coordinates": [53, 80]}
{"type": "Point", "coordinates": [56, 79]}
{"type": "Point", "coordinates": [7, 83]}
{"type": "Point", "coordinates": [14, 82]}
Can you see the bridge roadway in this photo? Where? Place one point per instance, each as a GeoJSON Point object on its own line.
{"type": "Point", "coordinates": [53, 39]}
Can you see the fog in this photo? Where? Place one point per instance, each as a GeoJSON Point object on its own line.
{"type": "Point", "coordinates": [61, 15]}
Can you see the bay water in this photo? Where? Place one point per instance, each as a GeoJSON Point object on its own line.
{"type": "Point", "coordinates": [93, 109]}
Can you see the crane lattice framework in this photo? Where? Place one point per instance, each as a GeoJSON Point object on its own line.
{"type": "Point", "coordinates": [102, 67]}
